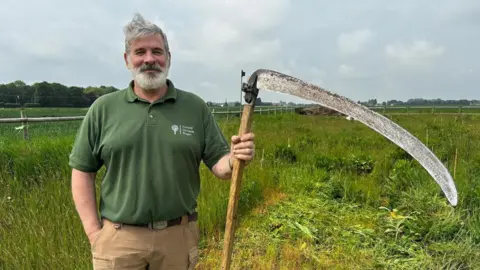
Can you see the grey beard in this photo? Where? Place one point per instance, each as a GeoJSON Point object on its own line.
{"type": "Point", "coordinates": [150, 82]}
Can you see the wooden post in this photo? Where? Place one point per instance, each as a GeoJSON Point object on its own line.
{"type": "Point", "coordinates": [455, 164]}
{"type": "Point", "coordinates": [426, 143]}
{"type": "Point", "coordinates": [24, 125]}
{"type": "Point", "coordinates": [237, 174]}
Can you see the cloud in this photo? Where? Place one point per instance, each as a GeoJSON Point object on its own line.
{"type": "Point", "coordinates": [374, 50]}
{"type": "Point", "coordinates": [251, 15]}
{"type": "Point", "coordinates": [417, 54]}
{"type": "Point", "coordinates": [354, 42]}
{"type": "Point", "coordinates": [209, 85]}
{"type": "Point", "coordinates": [454, 13]}
{"type": "Point", "coordinates": [232, 33]}
{"type": "Point", "coordinates": [345, 70]}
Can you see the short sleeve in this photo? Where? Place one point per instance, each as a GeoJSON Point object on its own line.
{"type": "Point", "coordinates": [84, 155]}
{"type": "Point", "coordinates": [216, 145]}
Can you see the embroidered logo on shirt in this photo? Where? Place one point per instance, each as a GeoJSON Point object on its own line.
{"type": "Point", "coordinates": [175, 129]}
{"type": "Point", "coordinates": [183, 130]}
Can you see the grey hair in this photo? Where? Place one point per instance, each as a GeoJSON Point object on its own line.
{"type": "Point", "coordinates": [139, 27]}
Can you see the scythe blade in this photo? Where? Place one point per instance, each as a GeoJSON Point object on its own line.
{"type": "Point", "coordinates": [277, 82]}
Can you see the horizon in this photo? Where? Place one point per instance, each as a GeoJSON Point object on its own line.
{"type": "Point", "coordinates": [266, 100]}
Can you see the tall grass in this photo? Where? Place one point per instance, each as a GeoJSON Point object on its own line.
{"type": "Point", "coordinates": [357, 199]}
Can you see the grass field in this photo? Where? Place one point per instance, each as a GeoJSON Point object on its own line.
{"type": "Point", "coordinates": [322, 193]}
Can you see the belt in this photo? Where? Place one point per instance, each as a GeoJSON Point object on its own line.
{"type": "Point", "coordinates": [167, 223]}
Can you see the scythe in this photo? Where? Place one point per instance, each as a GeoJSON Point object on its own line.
{"type": "Point", "coordinates": [274, 81]}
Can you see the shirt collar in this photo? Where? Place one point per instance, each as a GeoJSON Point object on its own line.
{"type": "Point", "coordinates": [170, 95]}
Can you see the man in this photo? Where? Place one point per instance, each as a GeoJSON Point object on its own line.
{"type": "Point", "coordinates": [151, 137]}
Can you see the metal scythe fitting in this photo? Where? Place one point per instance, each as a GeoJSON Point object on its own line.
{"type": "Point", "coordinates": [251, 90]}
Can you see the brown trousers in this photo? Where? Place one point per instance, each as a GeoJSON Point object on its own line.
{"type": "Point", "coordinates": [120, 246]}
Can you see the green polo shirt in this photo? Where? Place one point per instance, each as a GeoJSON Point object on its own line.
{"type": "Point", "coordinates": [151, 151]}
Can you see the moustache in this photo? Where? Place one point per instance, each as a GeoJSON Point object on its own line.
{"type": "Point", "coordinates": [150, 67]}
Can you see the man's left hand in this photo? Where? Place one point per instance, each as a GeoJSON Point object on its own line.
{"type": "Point", "coordinates": [243, 147]}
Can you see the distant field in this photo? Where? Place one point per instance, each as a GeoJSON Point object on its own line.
{"type": "Point", "coordinates": [42, 112]}
{"type": "Point", "coordinates": [428, 109]}
{"type": "Point", "coordinates": [322, 193]}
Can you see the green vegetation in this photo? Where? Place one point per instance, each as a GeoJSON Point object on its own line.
{"type": "Point", "coordinates": [323, 192]}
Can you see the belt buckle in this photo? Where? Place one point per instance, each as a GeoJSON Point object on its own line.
{"type": "Point", "coordinates": [159, 225]}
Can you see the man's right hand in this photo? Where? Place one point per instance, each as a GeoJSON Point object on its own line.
{"type": "Point", "coordinates": [92, 236]}
{"type": "Point", "coordinates": [83, 191]}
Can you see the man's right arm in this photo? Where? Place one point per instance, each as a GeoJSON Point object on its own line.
{"type": "Point", "coordinates": [85, 162]}
{"type": "Point", "coordinates": [83, 191]}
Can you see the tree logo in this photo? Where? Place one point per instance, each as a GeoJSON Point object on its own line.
{"type": "Point", "coordinates": [175, 129]}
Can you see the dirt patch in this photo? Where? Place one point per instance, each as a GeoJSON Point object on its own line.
{"type": "Point", "coordinates": [317, 110]}
{"type": "Point", "coordinates": [271, 196]}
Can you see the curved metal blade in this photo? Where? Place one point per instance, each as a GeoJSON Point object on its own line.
{"type": "Point", "coordinates": [277, 82]}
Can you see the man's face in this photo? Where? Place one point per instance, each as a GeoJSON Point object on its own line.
{"type": "Point", "coordinates": [148, 62]}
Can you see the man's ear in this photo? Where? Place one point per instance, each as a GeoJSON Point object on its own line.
{"type": "Point", "coordinates": [125, 57]}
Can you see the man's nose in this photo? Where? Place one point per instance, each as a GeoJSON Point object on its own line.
{"type": "Point", "coordinates": [149, 59]}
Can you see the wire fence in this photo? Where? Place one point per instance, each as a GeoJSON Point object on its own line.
{"type": "Point", "coordinates": [23, 119]}
{"type": "Point", "coordinates": [237, 111]}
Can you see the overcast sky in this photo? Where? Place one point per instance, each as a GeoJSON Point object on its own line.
{"type": "Point", "coordinates": [376, 49]}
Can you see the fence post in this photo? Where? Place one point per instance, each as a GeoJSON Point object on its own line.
{"type": "Point", "coordinates": [228, 114]}
{"type": "Point", "coordinates": [24, 125]}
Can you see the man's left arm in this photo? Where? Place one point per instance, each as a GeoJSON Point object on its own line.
{"type": "Point", "coordinates": [218, 153]}
{"type": "Point", "coordinates": [242, 148]}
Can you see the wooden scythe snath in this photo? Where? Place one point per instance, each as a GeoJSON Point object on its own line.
{"type": "Point", "coordinates": [251, 93]}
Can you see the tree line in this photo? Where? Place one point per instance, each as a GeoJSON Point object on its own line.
{"type": "Point", "coordinates": [422, 102]}
{"type": "Point", "coordinates": [47, 94]}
